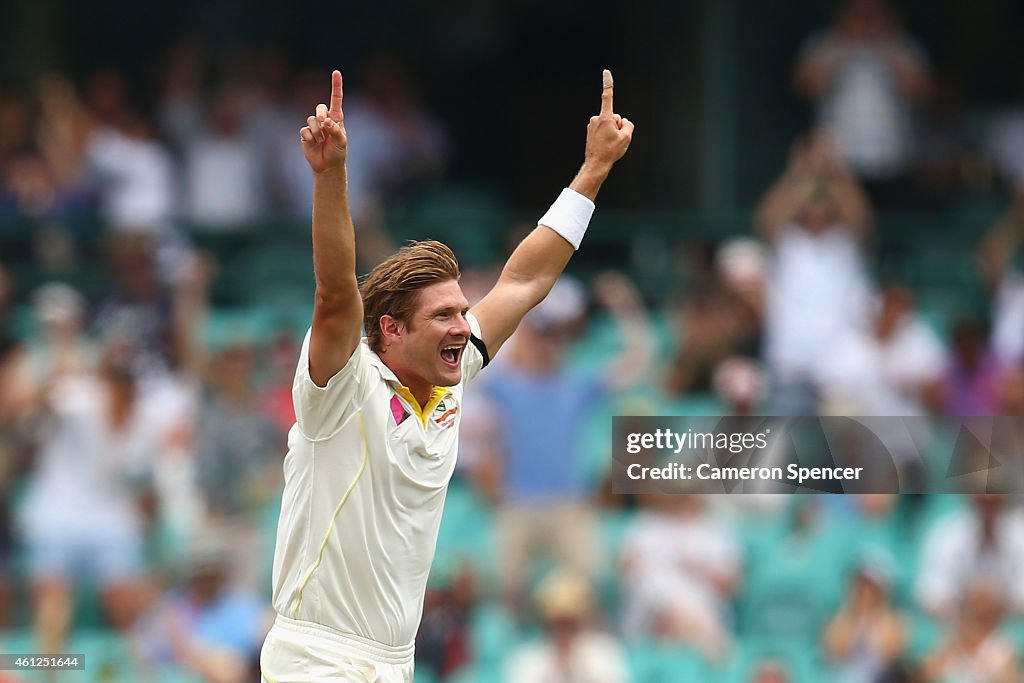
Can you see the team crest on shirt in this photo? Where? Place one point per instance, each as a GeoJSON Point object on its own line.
{"type": "Point", "coordinates": [444, 413]}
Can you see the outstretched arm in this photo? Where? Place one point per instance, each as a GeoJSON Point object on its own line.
{"type": "Point", "coordinates": [539, 259]}
{"type": "Point", "coordinates": [337, 308]}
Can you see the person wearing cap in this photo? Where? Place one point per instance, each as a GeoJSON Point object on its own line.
{"type": "Point", "coordinates": [62, 348]}
{"type": "Point", "coordinates": [572, 649]}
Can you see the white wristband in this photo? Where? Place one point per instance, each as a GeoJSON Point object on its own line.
{"type": "Point", "coordinates": [569, 216]}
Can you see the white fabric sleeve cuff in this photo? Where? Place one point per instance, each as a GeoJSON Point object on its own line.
{"type": "Point", "coordinates": [569, 216]}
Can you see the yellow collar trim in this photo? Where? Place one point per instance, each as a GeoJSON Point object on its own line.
{"type": "Point", "coordinates": [422, 412]}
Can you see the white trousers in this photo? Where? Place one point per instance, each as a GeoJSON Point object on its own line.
{"type": "Point", "coordinates": [303, 652]}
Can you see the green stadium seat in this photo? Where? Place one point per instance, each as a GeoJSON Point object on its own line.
{"type": "Point", "coordinates": [794, 582]}
{"type": "Point", "coordinates": [467, 530]}
{"type": "Point", "coordinates": [799, 657]}
{"type": "Point", "coordinates": [426, 675]}
{"type": "Point", "coordinates": [493, 634]}
{"type": "Point", "coordinates": [924, 634]}
{"type": "Point", "coordinates": [660, 663]}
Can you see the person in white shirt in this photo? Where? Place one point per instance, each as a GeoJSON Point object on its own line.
{"type": "Point", "coordinates": [865, 75]}
{"type": "Point", "coordinates": [816, 217]}
{"type": "Point", "coordinates": [895, 368]}
{"type": "Point", "coordinates": [572, 649]}
{"type": "Point", "coordinates": [376, 433]}
{"type": "Point", "coordinates": [680, 567]}
{"type": "Point", "coordinates": [984, 541]}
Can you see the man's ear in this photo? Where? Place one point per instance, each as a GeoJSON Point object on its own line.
{"type": "Point", "coordinates": [391, 329]}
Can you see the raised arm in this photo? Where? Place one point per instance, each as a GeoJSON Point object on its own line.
{"type": "Point", "coordinates": [818, 66]}
{"type": "Point", "coordinates": [337, 308]}
{"type": "Point", "coordinates": [539, 259]}
{"type": "Point", "coordinates": [620, 297]}
{"type": "Point", "coordinates": [1000, 243]}
{"type": "Point", "coordinates": [815, 167]}
{"type": "Point", "coordinates": [852, 204]}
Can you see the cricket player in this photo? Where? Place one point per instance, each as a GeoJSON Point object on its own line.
{"type": "Point", "coordinates": [376, 436]}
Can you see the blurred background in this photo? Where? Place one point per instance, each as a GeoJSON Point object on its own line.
{"type": "Point", "coordinates": [821, 213]}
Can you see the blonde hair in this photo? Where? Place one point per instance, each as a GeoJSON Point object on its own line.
{"type": "Point", "coordinates": [392, 287]}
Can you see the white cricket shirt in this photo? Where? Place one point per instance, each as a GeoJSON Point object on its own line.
{"type": "Point", "coordinates": [365, 482]}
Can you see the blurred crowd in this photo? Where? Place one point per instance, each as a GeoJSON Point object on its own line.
{"type": "Point", "coordinates": [141, 454]}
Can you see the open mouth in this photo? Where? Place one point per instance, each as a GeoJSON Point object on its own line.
{"type": "Point", "coordinates": [451, 355]}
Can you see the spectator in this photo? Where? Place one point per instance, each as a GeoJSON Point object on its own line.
{"type": "Point", "coordinates": [1005, 280]}
{"type": "Point", "coordinates": [943, 150]}
{"type": "Point", "coordinates": [10, 348]}
{"type": "Point", "coordinates": [180, 112]}
{"type": "Point", "coordinates": [276, 396]}
{"type": "Point", "coordinates": [394, 142]}
{"type": "Point", "coordinates": [159, 322]}
{"type": "Point", "coordinates": [571, 648]}
{"type": "Point", "coordinates": [1005, 143]}
{"type": "Point", "coordinates": [543, 407]}
{"type": "Point", "coordinates": [721, 320]}
{"type": "Point", "coordinates": [864, 75]}
{"type": "Point", "coordinates": [680, 568]}
{"type": "Point", "coordinates": [972, 378]}
{"type": "Point", "coordinates": [893, 368]}
{"type": "Point", "coordinates": [393, 139]}
{"type": "Point", "coordinates": [816, 218]}
{"type": "Point", "coordinates": [63, 348]}
{"type": "Point", "coordinates": [444, 637]}
{"type": "Point", "coordinates": [209, 627]}
{"type": "Point", "coordinates": [135, 172]}
{"type": "Point", "coordinates": [984, 541]}
{"type": "Point", "coordinates": [10, 447]}
{"type": "Point", "coordinates": [739, 383]}
{"type": "Point", "coordinates": [866, 637]}
{"type": "Point", "coordinates": [83, 513]}
{"type": "Point", "coordinates": [290, 98]}
{"type": "Point", "coordinates": [15, 121]}
{"type": "Point", "coordinates": [28, 188]}
{"type": "Point", "coordinates": [223, 178]}
{"type": "Point", "coordinates": [1011, 394]}
{"type": "Point", "coordinates": [44, 177]}
{"type": "Point", "coordinates": [238, 460]}
{"type": "Point", "coordinates": [975, 650]}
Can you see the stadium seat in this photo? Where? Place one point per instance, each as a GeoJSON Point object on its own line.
{"type": "Point", "coordinates": [799, 657]}
{"type": "Point", "coordinates": [923, 634]}
{"type": "Point", "coordinates": [794, 581]}
{"type": "Point", "coordinates": [659, 663]}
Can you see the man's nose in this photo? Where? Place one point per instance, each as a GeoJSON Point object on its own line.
{"type": "Point", "coordinates": [462, 327]}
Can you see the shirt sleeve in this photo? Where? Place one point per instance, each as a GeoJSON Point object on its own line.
{"type": "Point", "coordinates": [320, 411]}
{"type": "Point", "coordinates": [475, 358]}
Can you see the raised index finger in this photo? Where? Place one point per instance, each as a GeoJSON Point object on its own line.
{"type": "Point", "coordinates": [335, 112]}
{"type": "Point", "coordinates": [606, 92]}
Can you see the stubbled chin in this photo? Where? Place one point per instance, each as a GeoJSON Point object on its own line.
{"type": "Point", "coordinates": [450, 377]}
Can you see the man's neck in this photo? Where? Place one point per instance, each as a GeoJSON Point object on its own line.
{"type": "Point", "coordinates": [419, 390]}
{"type": "Point", "coordinates": [422, 395]}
